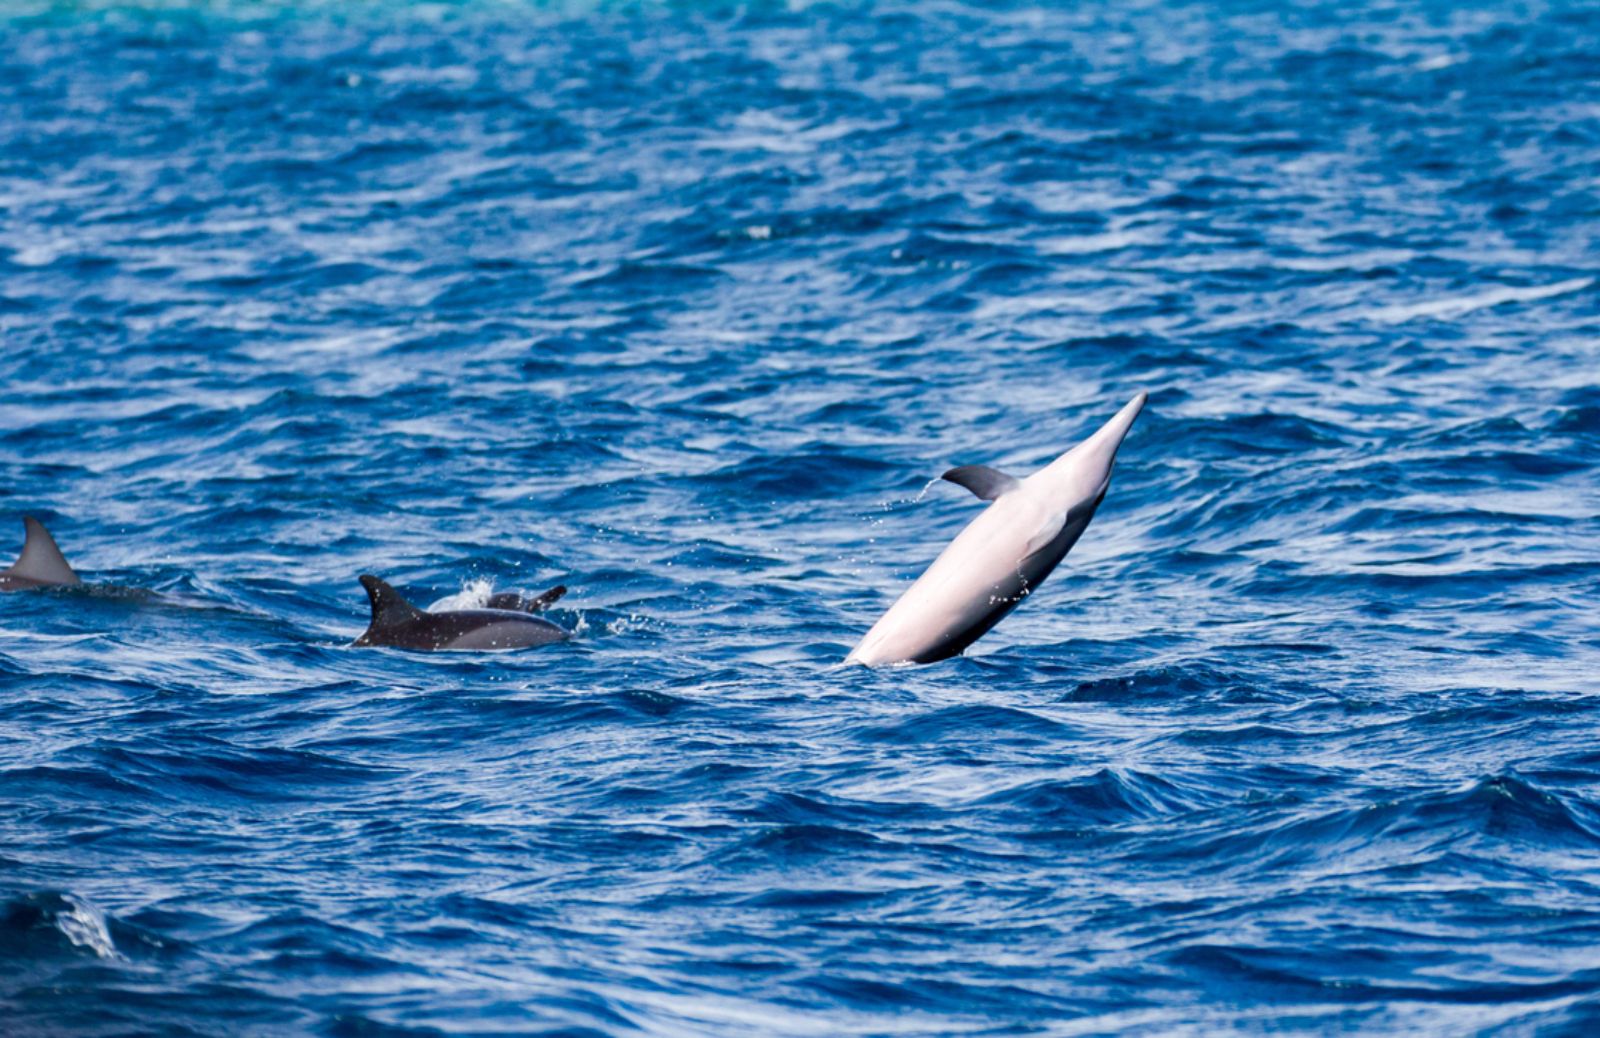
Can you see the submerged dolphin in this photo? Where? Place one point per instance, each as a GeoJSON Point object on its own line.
{"type": "Point", "coordinates": [1002, 555]}
{"type": "Point", "coordinates": [515, 602]}
{"type": "Point", "coordinates": [41, 563]}
{"type": "Point", "coordinates": [401, 625]}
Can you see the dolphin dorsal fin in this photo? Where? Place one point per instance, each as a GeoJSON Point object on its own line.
{"type": "Point", "coordinates": [389, 607]}
{"type": "Point", "coordinates": [41, 560]}
{"type": "Point", "coordinates": [516, 603]}
{"type": "Point", "coordinates": [982, 480]}
{"type": "Point", "coordinates": [548, 599]}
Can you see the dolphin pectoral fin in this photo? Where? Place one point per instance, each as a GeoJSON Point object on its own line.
{"type": "Point", "coordinates": [41, 560]}
{"type": "Point", "coordinates": [1041, 540]}
{"type": "Point", "coordinates": [1078, 516]}
{"type": "Point", "coordinates": [982, 480]}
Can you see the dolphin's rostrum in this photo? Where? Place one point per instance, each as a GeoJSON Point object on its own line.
{"type": "Point", "coordinates": [41, 563]}
{"type": "Point", "coordinates": [1002, 555]}
{"type": "Point", "coordinates": [399, 624]}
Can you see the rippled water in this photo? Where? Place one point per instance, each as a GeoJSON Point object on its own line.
{"type": "Point", "coordinates": [683, 307]}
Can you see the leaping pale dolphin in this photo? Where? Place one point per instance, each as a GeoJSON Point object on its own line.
{"type": "Point", "coordinates": [401, 625]}
{"type": "Point", "coordinates": [1002, 555]}
{"type": "Point", "coordinates": [41, 563]}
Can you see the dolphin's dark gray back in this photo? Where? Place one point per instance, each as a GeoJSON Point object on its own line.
{"type": "Point", "coordinates": [41, 563]}
{"type": "Point", "coordinates": [399, 624]}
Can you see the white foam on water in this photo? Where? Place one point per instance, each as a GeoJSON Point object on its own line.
{"type": "Point", "coordinates": [85, 926]}
{"type": "Point", "coordinates": [1457, 306]}
{"type": "Point", "coordinates": [621, 625]}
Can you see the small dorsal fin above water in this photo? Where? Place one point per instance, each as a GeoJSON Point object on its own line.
{"type": "Point", "coordinates": [41, 560]}
{"type": "Point", "coordinates": [389, 607]}
{"type": "Point", "coordinates": [982, 480]}
{"type": "Point", "coordinates": [516, 603]}
{"type": "Point", "coordinates": [548, 599]}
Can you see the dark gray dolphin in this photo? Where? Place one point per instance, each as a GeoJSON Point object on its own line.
{"type": "Point", "coordinates": [401, 625]}
{"type": "Point", "coordinates": [41, 563]}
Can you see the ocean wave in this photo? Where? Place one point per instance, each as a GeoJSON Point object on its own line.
{"type": "Point", "coordinates": [686, 308]}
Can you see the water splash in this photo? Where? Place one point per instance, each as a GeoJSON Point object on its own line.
{"type": "Point", "coordinates": [84, 924]}
{"type": "Point", "coordinates": [474, 594]}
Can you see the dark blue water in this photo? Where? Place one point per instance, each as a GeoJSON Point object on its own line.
{"type": "Point", "coordinates": [683, 306]}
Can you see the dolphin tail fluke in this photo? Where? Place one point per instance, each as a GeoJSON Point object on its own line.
{"type": "Point", "coordinates": [389, 607]}
{"type": "Point", "coordinates": [41, 560]}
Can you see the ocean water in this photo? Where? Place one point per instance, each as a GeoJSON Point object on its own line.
{"type": "Point", "coordinates": [684, 305]}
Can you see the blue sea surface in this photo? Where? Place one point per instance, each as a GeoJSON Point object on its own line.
{"type": "Point", "coordinates": [684, 305]}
